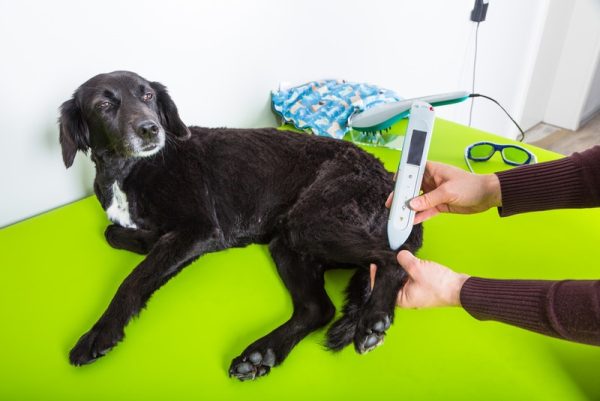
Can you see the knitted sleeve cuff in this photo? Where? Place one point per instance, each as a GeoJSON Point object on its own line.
{"type": "Point", "coordinates": [510, 301]}
{"type": "Point", "coordinates": [568, 309]}
{"type": "Point", "coordinates": [557, 184]}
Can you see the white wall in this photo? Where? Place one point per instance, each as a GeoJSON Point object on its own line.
{"type": "Point", "coordinates": [592, 103]}
{"type": "Point", "coordinates": [508, 48]}
{"type": "Point", "coordinates": [576, 67]}
{"type": "Point", "coordinates": [220, 59]}
{"type": "Point", "coordinates": [557, 20]}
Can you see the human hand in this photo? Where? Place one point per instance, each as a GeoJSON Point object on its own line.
{"type": "Point", "coordinates": [429, 284]}
{"type": "Point", "coordinates": [448, 189]}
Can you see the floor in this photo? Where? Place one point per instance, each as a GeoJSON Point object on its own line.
{"type": "Point", "coordinates": [565, 141]}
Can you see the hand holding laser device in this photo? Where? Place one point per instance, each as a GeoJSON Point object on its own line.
{"type": "Point", "coordinates": [410, 172]}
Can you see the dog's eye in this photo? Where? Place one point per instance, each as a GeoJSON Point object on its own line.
{"type": "Point", "coordinates": [148, 96]}
{"type": "Point", "coordinates": [103, 105]}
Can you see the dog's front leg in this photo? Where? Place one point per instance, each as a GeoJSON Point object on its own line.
{"type": "Point", "coordinates": [131, 239]}
{"type": "Point", "coordinates": [172, 252]}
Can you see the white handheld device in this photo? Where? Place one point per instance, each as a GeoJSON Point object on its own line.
{"type": "Point", "coordinates": [410, 172]}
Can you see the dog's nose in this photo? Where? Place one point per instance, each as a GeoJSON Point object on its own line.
{"type": "Point", "coordinates": [147, 129]}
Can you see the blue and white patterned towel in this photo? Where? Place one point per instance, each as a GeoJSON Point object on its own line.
{"type": "Point", "coordinates": [325, 106]}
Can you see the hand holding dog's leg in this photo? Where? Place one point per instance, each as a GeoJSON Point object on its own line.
{"type": "Point", "coordinates": [169, 256]}
{"type": "Point", "coordinates": [429, 284]}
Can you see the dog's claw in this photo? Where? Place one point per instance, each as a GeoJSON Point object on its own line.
{"type": "Point", "coordinates": [251, 365]}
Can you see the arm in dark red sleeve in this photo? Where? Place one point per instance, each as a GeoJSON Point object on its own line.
{"type": "Point", "coordinates": [571, 182]}
{"type": "Point", "coordinates": [568, 309]}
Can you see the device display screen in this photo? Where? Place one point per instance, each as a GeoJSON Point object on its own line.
{"type": "Point", "coordinates": [417, 143]}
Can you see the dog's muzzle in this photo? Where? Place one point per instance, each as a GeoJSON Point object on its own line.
{"type": "Point", "coordinates": [147, 140]}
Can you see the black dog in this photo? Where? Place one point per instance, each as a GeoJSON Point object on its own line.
{"type": "Point", "coordinates": [175, 193]}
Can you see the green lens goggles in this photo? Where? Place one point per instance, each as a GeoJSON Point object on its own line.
{"type": "Point", "coordinates": [513, 155]}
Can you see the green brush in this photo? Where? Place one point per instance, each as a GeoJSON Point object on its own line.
{"type": "Point", "coordinates": [383, 117]}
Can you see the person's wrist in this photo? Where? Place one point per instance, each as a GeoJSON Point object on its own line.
{"type": "Point", "coordinates": [492, 188]}
{"type": "Point", "coordinates": [455, 288]}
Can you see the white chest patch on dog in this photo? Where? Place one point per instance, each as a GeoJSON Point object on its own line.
{"type": "Point", "coordinates": [118, 211]}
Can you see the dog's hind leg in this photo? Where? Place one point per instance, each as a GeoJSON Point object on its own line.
{"type": "Point", "coordinates": [347, 226]}
{"type": "Point", "coordinates": [313, 309]}
{"type": "Point", "coordinates": [342, 331]}
{"type": "Point", "coordinates": [378, 313]}
{"type": "Point", "coordinates": [368, 312]}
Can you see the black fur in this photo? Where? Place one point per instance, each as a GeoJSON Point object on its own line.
{"type": "Point", "coordinates": [318, 203]}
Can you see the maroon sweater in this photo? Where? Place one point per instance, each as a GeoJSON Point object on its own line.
{"type": "Point", "coordinates": [568, 309]}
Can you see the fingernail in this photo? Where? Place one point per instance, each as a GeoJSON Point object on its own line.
{"type": "Point", "coordinates": [412, 203]}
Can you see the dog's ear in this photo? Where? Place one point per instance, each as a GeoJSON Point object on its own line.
{"type": "Point", "coordinates": [168, 113]}
{"type": "Point", "coordinates": [74, 133]}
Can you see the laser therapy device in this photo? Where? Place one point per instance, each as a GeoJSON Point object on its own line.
{"type": "Point", "coordinates": [412, 163]}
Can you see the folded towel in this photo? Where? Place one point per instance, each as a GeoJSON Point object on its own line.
{"type": "Point", "coordinates": [325, 106]}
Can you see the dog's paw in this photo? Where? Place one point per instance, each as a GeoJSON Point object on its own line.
{"type": "Point", "coordinates": [371, 331]}
{"type": "Point", "coordinates": [128, 239]}
{"type": "Point", "coordinates": [93, 345]}
{"type": "Point", "coordinates": [111, 234]}
{"type": "Point", "coordinates": [341, 333]}
{"type": "Point", "coordinates": [252, 364]}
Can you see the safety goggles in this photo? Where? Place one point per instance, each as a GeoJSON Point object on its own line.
{"type": "Point", "coordinates": [513, 155]}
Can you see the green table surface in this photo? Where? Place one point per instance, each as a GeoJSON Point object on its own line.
{"type": "Point", "coordinates": [58, 275]}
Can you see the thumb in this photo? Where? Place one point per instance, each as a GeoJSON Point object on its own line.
{"type": "Point", "coordinates": [428, 200]}
{"type": "Point", "coordinates": [408, 261]}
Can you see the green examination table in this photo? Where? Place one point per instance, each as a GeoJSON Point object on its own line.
{"type": "Point", "coordinates": [58, 275]}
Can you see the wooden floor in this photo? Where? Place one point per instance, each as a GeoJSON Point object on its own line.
{"type": "Point", "coordinates": [565, 141]}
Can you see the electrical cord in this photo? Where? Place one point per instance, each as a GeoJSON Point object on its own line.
{"type": "Point", "coordinates": [474, 70]}
{"type": "Point", "coordinates": [474, 95]}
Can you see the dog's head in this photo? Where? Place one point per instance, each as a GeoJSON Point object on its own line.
{"type": "Point", "coordinates": [121, 114]}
